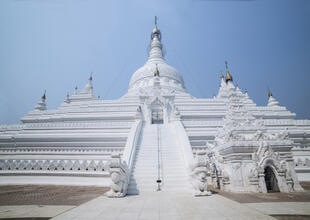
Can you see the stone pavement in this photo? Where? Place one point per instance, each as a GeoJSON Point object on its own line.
{"type": "Point", "coordinates": [32, 211]}
{"type": "Point", "coordinates": [68, 202]}
{"type": "Point", "coordinates": [162, 205]}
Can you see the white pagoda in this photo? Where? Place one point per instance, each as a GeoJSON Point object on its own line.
{"type": "Point", "coordinates": [159, 137]}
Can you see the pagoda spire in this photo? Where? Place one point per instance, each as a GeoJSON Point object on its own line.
{"type": "Point", "coordinates": [44, 96]}
{"type": "Point", "coordinates": [272, 101]}
{"type": "Point", "coordinates": [156, 31]}
{"type": "Point", "coordinates": [269, 92]}
{"type": "Point", "coordinates": [88, 89]}
{"type": "Point", "coordinates": [223, 84]}
{"type": "Point", "coordinates": [41, 105]}
{"type": "Point", "coordinates": [228, 76]}
{"type": "Point", "coordinates": [156, 53]}
{"type": "Point", "coordinates": [67, 100]}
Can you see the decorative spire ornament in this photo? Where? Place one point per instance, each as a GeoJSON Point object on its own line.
{"type": "Point", "coordinates": [269, 92]}
{"type": "Point", "coordinates": [67, 100]}
{"type": "Point", "coordinates": [272, 101]}
{"type": "Point", "coordinates": [44, 96]}
{"type": "Point", "coordinates": [228, 76]}
{"type": "Point", "coordinates": [221, 75]}
{"type": "Point", "coordinates": [41, 105]}
{"type": "Point", "coordinates": [156, 73]}
{"type": "Point", "coordinates": [88, 89]}
{"type": "Point", "coordinates": [156, 32]}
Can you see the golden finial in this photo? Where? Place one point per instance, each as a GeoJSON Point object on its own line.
{"type": "Point", "coordinates": [228, 77]}
{"type": "Point", "coordinates": [155, 30]}
{"type": "Point", "coordinates": [91, 76]}
{"type": "Point", "coordinates": [44, 95]}
{"type": "Point", "coordinates": [156, 73]}
{"type": "Point", "coordinates": [269, 92]}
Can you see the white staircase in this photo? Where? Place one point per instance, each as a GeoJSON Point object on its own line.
{"type": "Point", "coordinates": [148, 160]}
{"type": "Point", "coordinates": [174, 174]}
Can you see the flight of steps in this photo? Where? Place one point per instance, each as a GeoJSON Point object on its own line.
{"type": "Point", "coordinates": [145, 170]}
{"type": "Point", "coordinates": [174, 174]}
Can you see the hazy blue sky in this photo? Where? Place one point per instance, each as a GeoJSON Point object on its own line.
{"type": "Point", "coordinates": [55, 44]}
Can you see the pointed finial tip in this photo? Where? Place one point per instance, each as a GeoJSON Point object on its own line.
{"type": "Point", "coordinates": [228, 76]}
{"type": "Point", "coordinates": [156, 32]}
{"type": "Point", "coordinates": [91, 76]}
{"type": "Point", "coordinates": [221, 74]}
{"type": "Point", "coordinates": [269, 92]}
{"type": "Point", "coordinates": [44, 95]}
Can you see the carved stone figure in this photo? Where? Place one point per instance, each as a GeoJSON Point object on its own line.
{"type": "Point", "coordinates": [199, 175]}
{"type": "Point", "coordinates": [119, 177]}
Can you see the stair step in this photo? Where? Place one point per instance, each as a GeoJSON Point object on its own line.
{"type": "Point", "coordinates": [145, 167]}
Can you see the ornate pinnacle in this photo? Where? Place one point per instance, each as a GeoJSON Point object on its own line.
{"type": "Point", "coordinates": [156, 73]}
{"type": "Point", "coordinates": [91, 76]}
{"type": "Point", "coordinates": [269, 92]}
{"type": "Point", "coordinates": [222, 76]}
{"type": "Point", "coordinates": [44, 95]}
{"type": "Point", "coordinates": [156, 31]}
{"type": "Point", "coordinates": [228, 77]}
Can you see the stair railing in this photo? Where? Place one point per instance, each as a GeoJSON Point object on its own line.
{"type": "Point", "coordinates": [159, 179]}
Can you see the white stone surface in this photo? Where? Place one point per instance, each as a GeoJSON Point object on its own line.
{"type": "Point", "coordinates": [163, 206]}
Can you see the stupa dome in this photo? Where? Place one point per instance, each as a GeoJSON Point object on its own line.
{"type": "Point", "coordinates": [144, 76]}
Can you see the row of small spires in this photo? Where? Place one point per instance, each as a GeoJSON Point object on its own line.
{"type": "Point", "coordinates": [228, 78]}
{"type": "Point", "coordinates": [76, 88]}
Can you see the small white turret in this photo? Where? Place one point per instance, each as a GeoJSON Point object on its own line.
{"type": "Point", "coordinates": [41, 105]}
{"type": "Point", "coordinates": [88, 89]}
{"type": "Point", "coordinates": [67, 100]}
{"type": "Point", "coordinates": [87, 92]}
{"type": "Point", "coordinates": [272, 101]}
